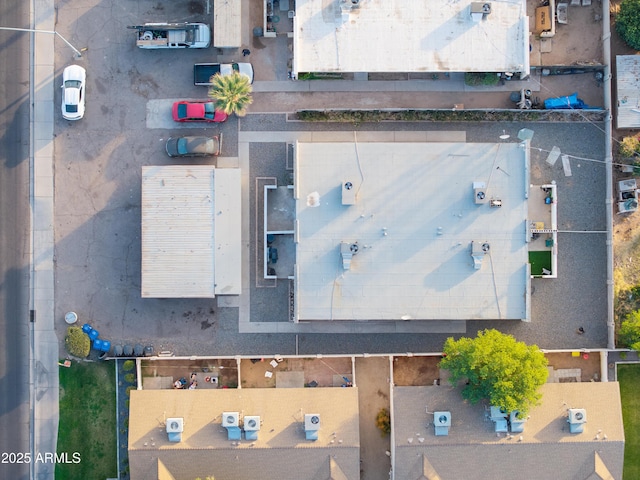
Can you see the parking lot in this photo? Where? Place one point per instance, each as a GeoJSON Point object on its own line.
{"type": "Point", "coordinates": [97, 199]}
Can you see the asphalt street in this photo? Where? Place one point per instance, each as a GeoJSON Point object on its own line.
{"type": "Point", "coordinates": [14, 242]}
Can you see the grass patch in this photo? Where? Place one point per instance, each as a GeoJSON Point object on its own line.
{"type": "Point", "coordinates": [540, 260]}
{"type": "Point", "coordinates": [629, 378]}
{"type": "Point", "coordinates": [88, 421]}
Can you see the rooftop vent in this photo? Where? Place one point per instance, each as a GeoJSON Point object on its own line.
{"type": "Point", "coordinates": [348, 193]}
{"type": "Point", "coordinates": [517, 423]}
{"type": "Point", "coordinates": [442, 422]}
{"type": "Point", "coordinates": [311, 425]}
{"type": "Point", "coordinates": [577, 419]}
{"type": "Point", "coordinates": [347, 251]}
{"type": "Point", "coordinates": [478, 251]}
{"type": "Point", "coordinates": [251, 427]}
{"type": "Point", "coordinates": [495, 203]}
{"type": "Point", "coordinates": [175, 427]}
{"type": "Point", "coordinates": [480, 193]}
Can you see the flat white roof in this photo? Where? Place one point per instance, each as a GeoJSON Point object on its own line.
{"type": "Point", "coordinates": [414, 219]}
{"type": "Point", "coordinates": [190, 231]}
{"type": "Point", "coordinates": [628, 91]}
{"type": "Point", "coordinates": [412, 36]}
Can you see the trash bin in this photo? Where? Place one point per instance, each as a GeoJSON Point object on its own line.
{"type": "Point", "coordinates": [86, 328]}
{"type": "Point", "coordinates": [97, 344]}
{"type": "Point", "coordinates": [106, 346]}
{"type": "Point", "coordinates": [93, 334]}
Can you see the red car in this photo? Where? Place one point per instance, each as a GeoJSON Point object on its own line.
{"type": "Point", "coordinates": [204, 111]}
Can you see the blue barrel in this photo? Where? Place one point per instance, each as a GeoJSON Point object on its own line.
{"type": "Point", "coordinates": [97, 344]}
{"type": "Point", "coordinates": [93, 334]}
{"type": "Point", "coordinates": [106, 345]}
{"type": "Point", "coordinates": [86, 328]}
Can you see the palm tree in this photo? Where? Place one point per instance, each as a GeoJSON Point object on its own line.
{"type": "Point", "coordinates": [231, 93]}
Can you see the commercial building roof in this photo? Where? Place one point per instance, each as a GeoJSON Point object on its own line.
{"type": "Point", "coordinates": [391, 36]}
{"type": "Point", "coordinates": [190, 231]}
{"type": "Point", "coordinates": [414, 221]}
{"type": "Point", "coordinates": [280, 451]}
{"type": "Point", "coordinates": [628, 91]}
{"type": "Point", "coordinates": [545, 449]}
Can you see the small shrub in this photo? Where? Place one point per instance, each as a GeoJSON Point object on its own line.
{"type": "Point", "coordinates": [383, 421]}
{"type": "Point", "coordinates": [130, 378]}
{"type": "Point", "coordinates": [128, 391]}
{"type": "Point", "coordinates": [629, 146]}
{"type": "Point", "coordinates": [128, 365]}
{"type": "Point", "coordinates": [77, 342]}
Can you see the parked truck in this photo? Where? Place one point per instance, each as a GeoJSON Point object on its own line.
{"type": "Point", "coordinates": [202, 72]}
{"type": "Point", "coordinates": [173, 35]}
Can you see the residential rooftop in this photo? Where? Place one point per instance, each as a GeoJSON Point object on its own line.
{"type": "Point", "coordinates": [545, 449]}
{"type": "Point", "coordinates": [280, 448]}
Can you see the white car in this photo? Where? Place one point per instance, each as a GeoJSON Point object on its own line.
{"type": "Point", "coordinates": [74, 79]}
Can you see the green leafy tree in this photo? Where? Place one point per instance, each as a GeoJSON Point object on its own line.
{"type": "Point", "coordinates": [231, 93]}
{"type": "Point", "coordinates": [629, 333]}
{"type": "Point", "coordinates": [628, 23]}
{"type": "Point", "coordinates": [497, 368]}
{"type": "Point", "coordinates": [77, 342]}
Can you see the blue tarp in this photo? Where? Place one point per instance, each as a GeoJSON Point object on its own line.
{"type": "Point", "coordinates": [568, 101]}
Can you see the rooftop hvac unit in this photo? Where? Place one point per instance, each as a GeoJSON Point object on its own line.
{"type": "Point", "coordinates": [175, 427]}
{"type": "Point", "coordinates": [230, 419]}
{"type": "Point", "coordinates": [347, 251]}
{"type": "Point", "coordinates": [577, 419]}
{"type": "Point", "coordinates": [442, 422]}
{"type": "Point", "coordinates": [517, 424]}
{"type": "Point", "coordinates": [498, 416]}
{"type": "Point", "coordinates": [478, 251]}
{"type": "Point", "coordinates": [348, 193]}
{"type": "Point", "coordinates": [251, 427]}
{"type": "Point", "coordinates": [479, 10]}
{"type": "Point", "coordinates": [311, 421]}
{"type": "Point", "coordinates": [480, 193]}
{"type": "Point", "coordinates": [311, 426]}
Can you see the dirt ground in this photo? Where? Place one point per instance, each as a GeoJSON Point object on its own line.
{"type": "Point", "coordinates": [415, 371]}
{"type": "Point", "coordinates": [590, 366]}
{"type": "Point", "coordinates": [326, 372]}
{"type": "Point", "coordinates": [372, 377]}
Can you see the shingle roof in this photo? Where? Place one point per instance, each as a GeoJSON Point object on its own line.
{"type": "Point", "coordinates": [280, 451]}
{"type": "Point", "coordinates": [545, 449]}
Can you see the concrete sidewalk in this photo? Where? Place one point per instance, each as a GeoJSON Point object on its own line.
{"type": "Point", "coordinates": [44, 343]}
